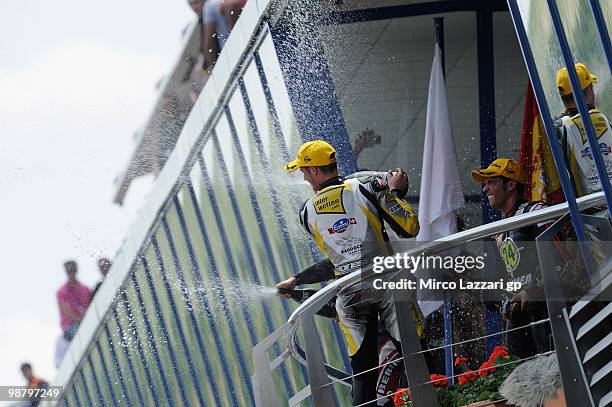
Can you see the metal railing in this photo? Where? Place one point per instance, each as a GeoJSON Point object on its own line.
{"type": "Point", "coordinates": [323, 376]}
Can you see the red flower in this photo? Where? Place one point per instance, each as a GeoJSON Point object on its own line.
{"type": "Point", "coordinates": [459, 361]}
{"type": "Point", "coordinates": [498, 351]}
{"type": "Point", "coordinates": [467, 377]}
{"type": "Point", "coordinates": [401, 397]}
{"type": "Point", "coordinates": [438, 380]}
{"type": "Point", "coordinates": [500, 347]}
{"type": "Point", "coordinates": [485, 369]}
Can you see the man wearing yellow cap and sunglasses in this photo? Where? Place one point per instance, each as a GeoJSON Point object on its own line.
{"type": "Point", "coordinates": [353, 220]}
{"type": "Point", "coordinates": [576, 148]}
{"type": "Point", "coordinates": [503, 183]}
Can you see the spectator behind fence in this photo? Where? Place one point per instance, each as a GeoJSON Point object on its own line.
{"type": "Point", "coordinates": [73, 299]}
{"type": "Point", "coordinates": [572, 134]}
{"type": "Point", "coordinates": [503, 183]}
{"type": "Point", "coordinates": [219, 18]}
{"type": "Point", "coordinates": [32, 382]}
{"type": "Point", "coordinates": [104, 265]}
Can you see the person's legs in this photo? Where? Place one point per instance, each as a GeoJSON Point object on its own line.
{"type": "Point", "coordinates": [542, 333]}
{"type": "Point", "coordinates": [364, 385]}
{"type": "Point", "coordinates": [520, 342]}
{"type": "Point", "coordinates": [71, 331]}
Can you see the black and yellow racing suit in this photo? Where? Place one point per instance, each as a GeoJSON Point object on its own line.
{"type": "Point", "coordinates": [351, 221]}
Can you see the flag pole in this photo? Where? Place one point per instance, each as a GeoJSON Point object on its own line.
{"type": "Point", "coordinates": [448, 326]}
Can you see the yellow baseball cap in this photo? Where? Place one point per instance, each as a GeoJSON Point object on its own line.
{"type": "Point", "coordinates": [315, 153]}
{"type": "Point", "coordinates": [585, 76]}
{"type": "Point", "coordinates": [502, 167]}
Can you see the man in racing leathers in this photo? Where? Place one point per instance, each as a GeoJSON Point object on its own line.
{"type": "Point", "coordinates": [348, 220]}
{"type": "Point", "coordinates": [572, 134]}
{"type": "Point", "coordinates": [503, 184]}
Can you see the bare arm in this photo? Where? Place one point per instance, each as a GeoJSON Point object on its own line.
{"type": "Point", "coordinates": [67, 311]}
{"type": "Point", "coordinates": [211, 51]}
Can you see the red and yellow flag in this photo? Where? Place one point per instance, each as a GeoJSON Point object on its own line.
{"type": "Point", "coordinates": [536, 158]}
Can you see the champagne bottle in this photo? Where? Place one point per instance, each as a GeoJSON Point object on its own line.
{"type": "Point", "coordinates": [300, 295]}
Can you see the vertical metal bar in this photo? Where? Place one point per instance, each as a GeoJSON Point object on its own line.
{"type": "Point", "coordinates": [603, 31]}
{"type": "Point", "coordinates": [111, 386]}
{"type": "Point", "coordinates": [255, 205]}
{"type": "Point", "coordinates": [85, 387]}
{"type": "Point", "coordinates": [319, 381]}
{"type": "Point", "coordinates": [486, 98]}
{"type": "Point", "coordinates": [164, 272]}
{"type": "Point", "coordinates": [249, 254]}
{"type": "Point", "coordinates": [76, 394]}
{"type": "Point", "coordinates": [570, 366]}
{"type": "Point", "coordinates": [414, 363]}
{"type": "Point", "coordinates": [582, 106]}
{"type": "Point", "coordinates": [229, 257]}
{"type": "Point", "coordinates": [162, 320]}
{"type": "Point", "coordinates": [95, 380]}
{"type": "Point", "coordinates": [267, 173]}
{"type": "Point", "coordinates": [214, 269]}
{"type": "Point", "coordinates": [560, 164]}
{"type": "Point", "coordinates": [139, 348]}
{"type": "Point", "coordinates": [265, 390]}
{"type": "Point", "coordinates": [203, 352]}
{"type": "Point", "coordinates": [448, 322]}
{"type": "Point", "coordinates": [202, 297]}
{"type": "Point", "coordinates": [150, 334]}
{"type": "Point", "coordinates": [128, 357]}
{"type": "Point", "coordinates": [115, 363]}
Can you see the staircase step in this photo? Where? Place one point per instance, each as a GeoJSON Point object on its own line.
{"type": "Point", "coordinates": [605, 343]}
{"type": "Point", "coordinates": [604, 284]}
{"type": "Point", "coordinates": [606, 400]}
{"type": "Point", "coordinates": [601, 373]}
{"type": "Point", "coordinates": [602, 315]}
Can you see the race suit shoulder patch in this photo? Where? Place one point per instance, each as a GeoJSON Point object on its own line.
{"type": "Point", "coordinates": [329, 200]}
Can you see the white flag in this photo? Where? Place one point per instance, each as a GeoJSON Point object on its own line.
{"type": "Point", "coordinates": [441, 193]}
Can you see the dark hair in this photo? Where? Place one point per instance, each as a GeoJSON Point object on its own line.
{"type": "Point", "coordinates": [26, 365]}
{"type": "Point", "coordinates": [329, 168]}
{"type": "Point", "coordinates": [568, 99]}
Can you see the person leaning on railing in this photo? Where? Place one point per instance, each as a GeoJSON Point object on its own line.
{"type": "Point", "coordinates": [344, 218]}
{"type": "Point", "coordinates": [572, 135]}
{"type": "Point", "coordinates": [503, 183]}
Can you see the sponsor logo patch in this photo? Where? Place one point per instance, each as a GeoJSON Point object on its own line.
{"type": "Point", "coordinates": [603, 147]}
{"type": "Point", "coordinates": [329, 201]}
{"type": "Point", "coordinates": [341, 225]}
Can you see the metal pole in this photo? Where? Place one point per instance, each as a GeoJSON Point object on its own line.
{"type": "Point", "coordinates": [560, 164]}
{"type": "Point", "coordinates": [446, 309]}
{"type": "Point", "coordinates": [581, 104]}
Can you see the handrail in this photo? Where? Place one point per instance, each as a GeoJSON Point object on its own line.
{"type": "Point", "coordinates": [325, 294]}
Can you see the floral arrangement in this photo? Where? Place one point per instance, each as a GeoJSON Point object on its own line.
{"type": "Point", "coordinates": [472, 385]}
